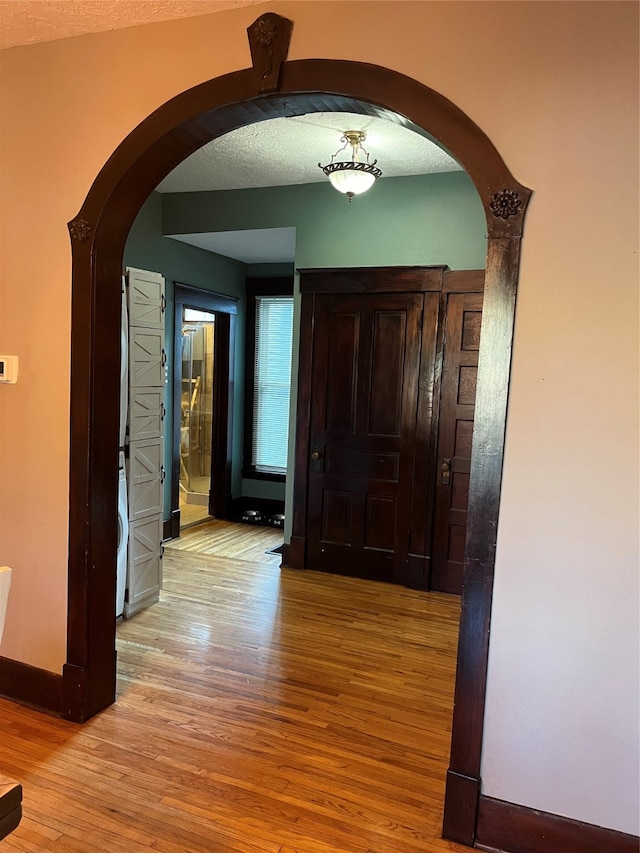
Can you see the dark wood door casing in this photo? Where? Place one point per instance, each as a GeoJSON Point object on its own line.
{"type": "Point", "coordinates": [98, 234]}
{"type": "Point", "coordinates": [431, 368]}
{"type": "Point", "coordinates": [225, 308]}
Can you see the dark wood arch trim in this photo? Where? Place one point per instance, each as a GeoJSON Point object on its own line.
{"type": "Point", "coordinates": [98, 235]}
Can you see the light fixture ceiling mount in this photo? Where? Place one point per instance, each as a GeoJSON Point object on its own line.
{"type": "Point", "coordinates": [356, 175]}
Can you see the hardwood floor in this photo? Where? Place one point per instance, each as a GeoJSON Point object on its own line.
{"type": "Point", "coordinates": [259, 710]}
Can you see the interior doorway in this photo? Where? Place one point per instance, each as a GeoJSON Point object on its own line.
{"type": "Point", "coordinates": [203, 396]}
{"type": "Point", "coordinates": [196, 414]}
{"type": "Point", "coordinates": [148, 154]}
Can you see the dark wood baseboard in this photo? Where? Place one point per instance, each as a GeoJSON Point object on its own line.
{"type": "Point", "coordinates": [171, 527]}
{"type": "Point", "coordinates": [460, 808]}
{"type": "Point", "coordinates": [508, 828]}
{"type": "Point", "coordinates": [29, 685]}
{"type": "Point", "coordinates": [284, 562]}
{"type": "Point", "coordinates": [297, 552]}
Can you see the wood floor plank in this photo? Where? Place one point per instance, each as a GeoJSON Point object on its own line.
{"type": "Point", "coordinates": [260, 710]}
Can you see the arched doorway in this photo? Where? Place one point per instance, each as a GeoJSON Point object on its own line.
{"type": "Point", "coordinates": [98, 235]}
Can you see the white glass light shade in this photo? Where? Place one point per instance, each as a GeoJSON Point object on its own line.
{"type": "Point", "coordinates": [352, 181]}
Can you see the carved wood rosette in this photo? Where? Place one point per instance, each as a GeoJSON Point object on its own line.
{"type": "Point", "coordinates": [505, 211]}
{"type": "Point", "coordinates": [269, 39]}
{"type": "Point", "coordinates": [79, 229]}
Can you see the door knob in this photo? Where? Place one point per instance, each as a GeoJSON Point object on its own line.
{"type": "Point", "coordinates": [316, 454]}
{"type": "Point", "coordinates": [446, 471]}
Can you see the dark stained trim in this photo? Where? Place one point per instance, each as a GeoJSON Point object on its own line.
{"type": "Point", "coordinates": [284, 562]}
{"type": "Point", "coordinates": [509, 828]}
{"type": "Point", "coordinates": [31, 686]}
{"type": "Point", "coordinates": [171, 527]}
{"type": "Point", "coordinates": [492, 390]}
{"type": "Point", "coordinates": [463, 281]}
{"type": "Point", "coordinates": [371, 280]}
{"type": "Point", "coordinates": [225, 308]}
{"type": "Point", "coordinates": [98, 233]}
{"type": "Point", "coordinates": [205, 300]}
{"type": "Point", "coordinates": [297, 554]}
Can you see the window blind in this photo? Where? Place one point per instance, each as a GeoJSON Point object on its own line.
{"type": "Point", "coordinates": [272, 383]}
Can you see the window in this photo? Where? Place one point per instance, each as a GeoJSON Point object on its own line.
{"type": "Point", "coordinates": [269, 386]}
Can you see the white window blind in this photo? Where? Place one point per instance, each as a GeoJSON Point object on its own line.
{"type": "Point", "coordinates": [272, 383]}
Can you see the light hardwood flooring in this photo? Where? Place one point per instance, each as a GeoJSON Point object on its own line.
{"type": "Point", "coordinates": [192, 513]}
{"type": "Point", "coordinates": [259, 710]}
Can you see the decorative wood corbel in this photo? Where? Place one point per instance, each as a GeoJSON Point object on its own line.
{"type": "Point", "coordinates": [269, 39]}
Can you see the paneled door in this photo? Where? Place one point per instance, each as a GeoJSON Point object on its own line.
{"type": "Point", "coordinates": [463, 317]}
{"type": "Point", "coordinates": [366, 357]}
{"type": "Point", "coordinates": [386, 395]}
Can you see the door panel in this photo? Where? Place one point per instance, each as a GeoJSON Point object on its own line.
{"type": "Point", "coordinates": [144, 571]}
{"type": "Point", "coordinates": [146, 299]}
{"type": "Point", "coordinates": [146, 413]}
{"type": "Point", "coordinates": [386, 376]}
{"type": "Point", "coordinates": [144, 478]}
{"type": "Point", "coordinates": [147, 358]}
{"type": "Point", "coordinates": [366, 355]}
{"type": "Point", "coordinates": [462, 342]}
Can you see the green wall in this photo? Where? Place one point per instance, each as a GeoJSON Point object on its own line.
{"type": "Point", "coordinates": [427, 219]}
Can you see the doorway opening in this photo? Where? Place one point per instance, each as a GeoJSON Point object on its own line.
{"type": "Point", "coordinates": [197, 330]}
{"type": "Point", "coordinates": [99, 232]}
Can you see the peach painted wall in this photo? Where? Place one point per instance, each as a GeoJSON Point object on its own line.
{"type": "Point", "coordinates": [554, 85]}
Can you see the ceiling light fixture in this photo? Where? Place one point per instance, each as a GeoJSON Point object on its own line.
{"type": "Point", "coordinates": [356, 175]}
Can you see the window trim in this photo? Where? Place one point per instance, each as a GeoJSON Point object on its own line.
{"type": "Point", "coordinates": [281, 286]}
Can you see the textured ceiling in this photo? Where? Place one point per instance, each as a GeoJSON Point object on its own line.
{"type": "Point", "coordinates": [287, 151]}
{"type": "Point", "coordinates": [30, 21]}
{"type": "Point", "coordinates": [284, 151]}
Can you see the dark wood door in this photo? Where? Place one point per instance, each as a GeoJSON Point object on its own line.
{"type": "Point", "coordinates": [366, 357]}
{"type": "Point", "coordinates": [463, 316]}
